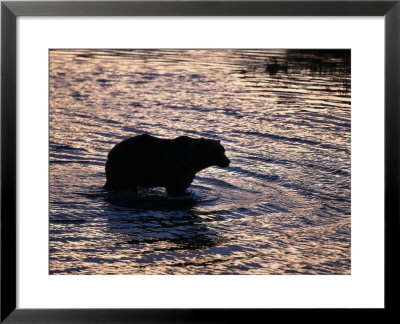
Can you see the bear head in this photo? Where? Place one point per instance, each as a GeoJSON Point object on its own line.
{"type": "Point", "coordinates": [214, 152]}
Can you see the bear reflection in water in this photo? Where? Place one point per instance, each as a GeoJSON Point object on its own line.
{"type": "Point", "coordinates": [146, 161]}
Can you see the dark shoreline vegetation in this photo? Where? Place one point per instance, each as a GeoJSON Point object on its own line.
{"type": "Point", "coordinates": [282, 206]}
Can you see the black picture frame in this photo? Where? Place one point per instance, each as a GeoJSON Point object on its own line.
{"type": "Point", "coordinates": [10, 10]}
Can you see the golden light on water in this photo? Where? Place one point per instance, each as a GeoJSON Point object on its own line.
{"type": "Point", "coordinates": [282, 206]}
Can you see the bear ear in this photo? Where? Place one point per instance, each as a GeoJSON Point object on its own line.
{"type": "Point", "coordinates": [219, 142]}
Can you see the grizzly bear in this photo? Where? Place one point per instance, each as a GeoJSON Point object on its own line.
{"type": "Point", "coordinates": [147, 161]}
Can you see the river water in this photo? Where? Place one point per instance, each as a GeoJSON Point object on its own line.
{"type": "Point", "coordinates": [282, 206]}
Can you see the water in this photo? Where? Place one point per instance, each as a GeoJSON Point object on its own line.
{"type": "Point", "coordinates": [281, 207]}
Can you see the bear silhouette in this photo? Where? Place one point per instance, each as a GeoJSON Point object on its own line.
{"type": "Point", "coordinates": [147, 161]}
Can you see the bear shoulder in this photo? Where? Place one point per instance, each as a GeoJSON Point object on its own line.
{"type": "Point", "coordinates": [184, 140]}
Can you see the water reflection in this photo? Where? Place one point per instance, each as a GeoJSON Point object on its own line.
{"type": "Point", "coordinates": [150, 200]}
{"type": "Point", "coordinates": [173, 222]}
{"type": "Point", "coordinates": [175, 231]}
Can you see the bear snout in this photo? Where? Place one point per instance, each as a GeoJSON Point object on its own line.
{"type": "Point", "coordinates": [224, 163]}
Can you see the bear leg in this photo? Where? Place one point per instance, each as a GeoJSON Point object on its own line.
{"type": "Point", "coordinates": [175, 190]}
{"type": "Point", "coordinates": [177, 184]}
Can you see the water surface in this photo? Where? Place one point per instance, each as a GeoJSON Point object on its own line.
{"type": "Point", "coordinates": [281, 207]}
